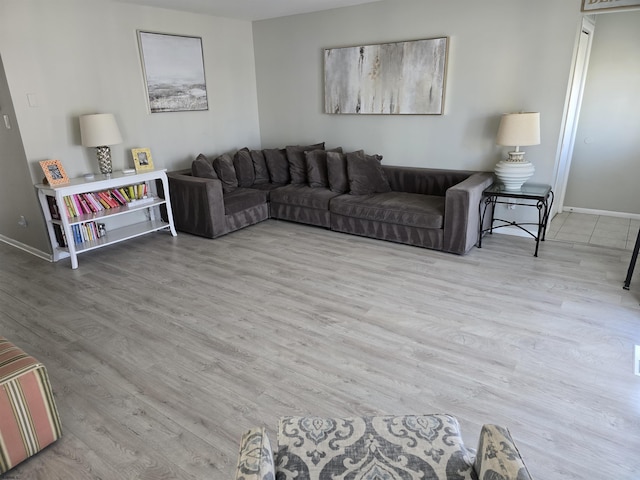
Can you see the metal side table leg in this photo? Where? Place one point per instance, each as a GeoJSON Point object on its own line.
{"type": "Point", "coordinates": [632, 264]}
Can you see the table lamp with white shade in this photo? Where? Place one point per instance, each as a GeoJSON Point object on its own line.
{"type": "Point", "coordinates": [517, 130]}
{"type": "Point", "coordinates": [100, 130]}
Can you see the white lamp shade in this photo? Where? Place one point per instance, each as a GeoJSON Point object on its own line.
{"type": "Point", "coordinates": [519, 129]}
{"type": "Point", "coordinates": [99, 130]}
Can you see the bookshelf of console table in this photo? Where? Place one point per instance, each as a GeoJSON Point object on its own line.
{"type": "Point", "coordinates": [103, 182]}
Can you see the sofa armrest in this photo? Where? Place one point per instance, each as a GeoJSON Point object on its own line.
{"type": "Point", "coordinates": [197, 204]}
{"type": "Point", "coordinates": [255, 460]}
{"type": "Point", "coordinates": [462, 212]}
{"type": "Point", "coordinates": [498, 456]}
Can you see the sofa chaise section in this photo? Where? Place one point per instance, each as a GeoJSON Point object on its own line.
{"type": "Point", "coordinates": [430, 208]}
{"type": "Point", "coordinates": [202, 208]}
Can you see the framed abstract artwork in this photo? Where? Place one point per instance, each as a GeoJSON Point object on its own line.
{"type": "Point", "coordinates": [173, 68]}
{"type": "Point", "coordinates": [595, 5]}
{"type": "Point", "coordinates": [402, 78]}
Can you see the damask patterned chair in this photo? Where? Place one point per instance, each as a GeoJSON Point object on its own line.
{"type": "Point", "coordinates": [428, 447]}
{"type": "Point", "coordinates": [29, 419]}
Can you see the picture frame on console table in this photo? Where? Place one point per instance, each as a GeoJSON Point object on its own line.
{"type": "Point", "coordinates": [599, 5]}
{"type": "Point", "coordinates": [54, 172]}
{"type": "Point", "coordinates": [142, 159]}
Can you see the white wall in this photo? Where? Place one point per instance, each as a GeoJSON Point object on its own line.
{"type": "Point", "coordinates": [17, 195]}
{"type": "Point", "coordinates": [81, 56]}
{"type": "Point", "coordinates": [605, 169]}
{"type": "Point", "coordinates": [505, 55]}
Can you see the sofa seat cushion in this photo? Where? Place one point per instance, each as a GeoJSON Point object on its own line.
{"type": "Point", "coordinates": [242, 199]}
{"type": "Point", "coordinates": [426, 447]}
{"type": "Point", "coordinates": [401, 208]}
{"type": "Point", "coordinates": [303, 196]}
{"type": "Point", "coordinates": [267, 187]}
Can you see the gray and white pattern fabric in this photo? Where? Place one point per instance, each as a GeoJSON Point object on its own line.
{"type": "Point", "coordinates": [498, 457]}
{"type": "Point", "coordinates": [412, 447]}
{"type": "Point", "coordinates": [255, 461]}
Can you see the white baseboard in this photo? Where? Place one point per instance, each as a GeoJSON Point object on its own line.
{"type": "Point", "coordinates": [606, 213]}
{"type": "Point", "coordinates": [33, 251]}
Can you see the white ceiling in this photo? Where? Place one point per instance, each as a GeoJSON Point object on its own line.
{"type": "Point", "coordinates": [249, 9]}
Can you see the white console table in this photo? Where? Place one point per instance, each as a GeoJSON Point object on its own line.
{"type": "Point", "coordinates": [152, 223]}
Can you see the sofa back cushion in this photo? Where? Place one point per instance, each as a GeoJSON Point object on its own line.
{"type": "Point", "coordinates": [297, 163]}
{"type": "Point", "coordinates": [278, 165]}
{"type": "Point", "coordinates": [317, 173]}
{"type": "Point", "coordinates": [337, 175]}
{"type": "Point", "coordinates": [260, 167]}
{"type": "Point", "coordinates": [366, 175]}
{"type": "Point", "coordinates": [243, 165]}
{"type": "Point", "coordinates": [226, 172]}
{"type": "Point", "coordinates": [202, 167]}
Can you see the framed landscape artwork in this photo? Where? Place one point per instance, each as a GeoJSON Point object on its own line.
{"type": "Point", "coordinates": [595, 5]}
{"type": "Point", "coordinates": [173, 68]}
{"type": "Point", "coordinates": [402, 78]}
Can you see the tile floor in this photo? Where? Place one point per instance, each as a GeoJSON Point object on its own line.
{"type": "Point", "coordinates": [601, 230]}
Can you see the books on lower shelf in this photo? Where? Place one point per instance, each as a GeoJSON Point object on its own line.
{"type": "Point", "coordinates": [61, 238]}
{"type": "Point", "coordinates": [88, 232]}
{"type": "Point", "coordinates": [93, 202]}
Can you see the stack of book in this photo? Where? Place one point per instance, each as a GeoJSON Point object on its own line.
{"type": "Point", "coordinates": [93, 202]}
{"type": "Point", "coordinates": [88, 232]}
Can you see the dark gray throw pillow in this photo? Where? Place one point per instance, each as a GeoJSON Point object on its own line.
{"type": "Point", "coordinates": [243, 164]}
{"type": "Point", "coordinates": [203, 168]}
{"type": "Point", "coordinates": [317, 172]}
{"type": "Point", "coordinates": [278, 165]}
{"type": "Point", "coordinates": [337, 172]}
{"type": "Point", "coordinates": [297, 164]}
{"type": "Point", "coordinates": [260, 167]}
{"type": "Point", "coordinates": [366, 175]}
{"type": "Point", "coordinates": [226, 172]}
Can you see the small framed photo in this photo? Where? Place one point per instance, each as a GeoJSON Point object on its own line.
{"type": "Point", "coordinates": [53, 172]}
{"type": "Point", "coordinates": [142, 159]}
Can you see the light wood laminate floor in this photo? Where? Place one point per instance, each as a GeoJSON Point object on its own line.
{"type": "Point", "coordinates": [163, 350]}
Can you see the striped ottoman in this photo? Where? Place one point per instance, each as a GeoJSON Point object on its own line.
{"type": "Point", "coordinates": [28, 416]}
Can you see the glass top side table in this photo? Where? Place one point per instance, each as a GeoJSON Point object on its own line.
{"type": "Point", "coordinates": [534, 194]}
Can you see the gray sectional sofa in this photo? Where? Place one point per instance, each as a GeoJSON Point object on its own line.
{"type": "Point", "coordinates": [351, 193]}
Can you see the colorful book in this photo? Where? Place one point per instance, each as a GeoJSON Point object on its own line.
{"type": "Point", "coordinates": [76, 203]}
{"type": "Point", "coordinates": [95, 207]}
{"type": "Point", "coordinates": [71, 211]}
{"type": "Point", "coordinates": [124, 194]}
{"type": "Point", "coordinates": [118, 196]}
{"type": "Point", "coordinates": [85, 206]}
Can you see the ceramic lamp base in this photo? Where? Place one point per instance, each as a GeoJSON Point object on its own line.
{"type": "Point", "coordinates": [514, 173]}
{"type": "Point", "coordinates": [104, 160]}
